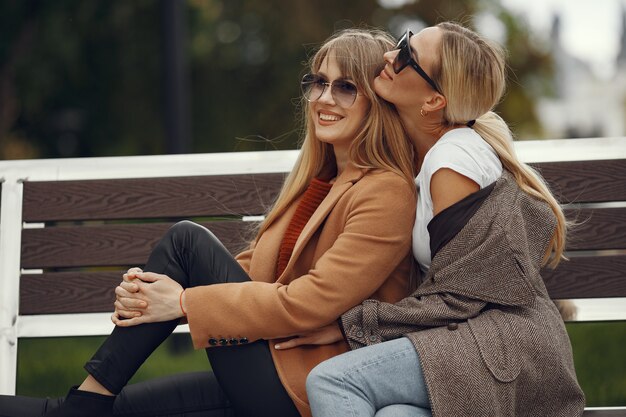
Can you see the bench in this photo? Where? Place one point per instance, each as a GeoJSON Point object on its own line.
{"type": "Point", "coordinates": [70, 227]}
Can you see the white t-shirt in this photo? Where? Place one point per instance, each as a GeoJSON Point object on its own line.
{"type": "Point", "coordinates": [464, 151]}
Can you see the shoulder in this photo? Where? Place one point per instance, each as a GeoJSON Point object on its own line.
{"type": "Point", "coordinates": [459, 145]}
{"type": "Point", "coordinates": [384, 187]}
{"type": "Point", "coordinates": [378, 177]}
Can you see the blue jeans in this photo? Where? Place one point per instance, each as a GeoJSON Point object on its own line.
{"type": "Point", "coordinates": [383, 380]}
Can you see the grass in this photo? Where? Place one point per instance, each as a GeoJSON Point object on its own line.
{"type": "Point", "coordinates": [48, 367]}
{"type": "Point", "coordinates": [599, 357]}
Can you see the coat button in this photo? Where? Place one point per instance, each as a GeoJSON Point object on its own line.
{"type": "Point", "coordinates": [212, 341]}
{"type": "Point", "coordinates": [360, 334]}
{"type": "Point", "coordinates": [223, 342]}
{"type": "Point", "coordinates": [233, 341]}
{"type": "Point", "coordinates": [373, 338]}
{"type": "Point", "coordinates": [243, 340]}
{"type": "Point", "coordinates": [453, 326]}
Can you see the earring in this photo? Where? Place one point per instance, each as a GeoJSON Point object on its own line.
{"type": "Point", "coordinates": [423, 113]}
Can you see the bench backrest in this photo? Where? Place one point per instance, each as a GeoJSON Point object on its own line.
{"type": "Point", "coordinates": [81, 223]}
{"type": "Point", "coordinates": [96, 228]}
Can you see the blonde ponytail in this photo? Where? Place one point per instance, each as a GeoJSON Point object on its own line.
{"type": "Point", "coordinates": [471, 73]}
{"type": "Point", "coordinates": [496, 133]}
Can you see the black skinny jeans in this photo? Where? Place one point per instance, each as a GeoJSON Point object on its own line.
{"type": "Point", "coordinates": [244, 382]}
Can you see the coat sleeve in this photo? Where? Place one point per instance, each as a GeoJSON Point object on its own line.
{"type": "Point", "coordinates": [374, 322]}
{"type": "Point", "coordinates": [376, 237]}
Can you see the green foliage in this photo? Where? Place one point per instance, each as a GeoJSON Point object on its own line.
{"type": "Point", "coordinates": [86, 77]}
{"type": "Point", "coordinates": [82, 77]}
{"type": "Point", "coordinates": [599, 360]}
{"type": "Point", "coordinates": [49, 366]}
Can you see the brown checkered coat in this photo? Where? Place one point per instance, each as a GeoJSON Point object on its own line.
{"type": "Point", "coordinates": [490, 340]}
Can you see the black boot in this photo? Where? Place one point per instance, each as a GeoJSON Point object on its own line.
{"type": "Point", "coordinates": [84, 404]}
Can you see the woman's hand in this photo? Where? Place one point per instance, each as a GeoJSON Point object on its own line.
{"type": "Point", "coordinates": [322, 336]}
{"type": "Point", "coordinates": [146, 297]}
{"type": "Point", "coordinates": [126, 304]}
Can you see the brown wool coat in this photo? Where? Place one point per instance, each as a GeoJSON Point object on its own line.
{"type": "Point", "coordinates": [355, 246]}
{"type": "Point", "coordinates": [490, 340]}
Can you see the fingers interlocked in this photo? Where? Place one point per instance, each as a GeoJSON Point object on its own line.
{"type": "Point", "coordinates": [129, 302]}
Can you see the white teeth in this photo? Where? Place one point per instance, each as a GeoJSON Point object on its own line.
{"type": "Point", "coordinates": [329, 117]}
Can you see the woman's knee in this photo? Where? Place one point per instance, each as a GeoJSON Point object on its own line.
{"type": "Point", "coordinates": [184, 228]}
{"type": "Point", "coordinates": [187, 233]}
{"type": "Point", "coordinates": [323, 378]}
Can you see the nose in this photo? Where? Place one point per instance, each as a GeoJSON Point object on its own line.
{"type": "Point", "coordinates": [390, 56]}
{"type": "Point", "coordinates": [327, 95]}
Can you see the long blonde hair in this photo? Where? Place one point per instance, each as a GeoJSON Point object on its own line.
{"type": "Point", "coordinates": [381, 141]}
{"type": "Point", "coordinates": [471, 74]}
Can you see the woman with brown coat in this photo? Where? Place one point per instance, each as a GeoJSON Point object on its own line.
{"type": "Point", "coordinates": [480, 335]}
{"type": "Point", "coordinates": [339, 232]}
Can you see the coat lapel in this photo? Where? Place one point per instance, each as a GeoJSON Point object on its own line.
{"type": "Point", "coordinates": [343, 183]}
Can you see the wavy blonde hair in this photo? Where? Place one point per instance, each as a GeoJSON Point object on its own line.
{"type": "Point", "coordinates": [381, 141]}
{"type": "Point", "coordinates": [471, 73]}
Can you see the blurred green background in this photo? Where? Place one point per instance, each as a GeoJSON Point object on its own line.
{"type": "Point", "coordinates": [101, 78]}
{"type": "Point", "coordinates": [105, 78]}
{"type": "Point", "coordinates": [46, 369]}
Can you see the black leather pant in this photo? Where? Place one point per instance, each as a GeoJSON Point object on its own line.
{"type": "Point", "coordinates": [244, 381]}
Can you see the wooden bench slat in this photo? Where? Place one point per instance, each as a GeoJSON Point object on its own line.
{"type": "Point", "coordinates": [57, 247]}
{"type": "Point", "coordinates": [578, 181]}
{"type": "Point", "coordinates": [587, 277]}
{"type": "Point", "coordinates": [586, 181]}
{"type": "Point", "coordinates": [244, 194]}
{"type": "Point", "coordinates": [91, 292]}
{"type": "Point", "coordinates": [68, 292]}
{"type": "Point", "coordinates": [597, 229]}
{"type": "Point", "coordinates": [112, 245]}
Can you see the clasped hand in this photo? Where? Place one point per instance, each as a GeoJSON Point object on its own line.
{"type": "Point", "coordinates": [146, 297]}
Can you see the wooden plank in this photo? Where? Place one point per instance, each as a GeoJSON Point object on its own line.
{"type": "Point", "coordinates": [587, 277]}
{"type": "Point", "coordinates": [244, 194]}
{"type": "Point", "coordinates": [597, 229]}
{"type": "Point", "coordinates": [68, 292]}
{"type": "Point", "coordinates": [106, 245]}
{"type": "Point", "coordinates": [80, 292]}
{"type": "Point", "coordinates": [113, 244]}
{"type": "Point", "coordinates": [586, 181]}
{"type": "Point", "coordinates": [121, 245]}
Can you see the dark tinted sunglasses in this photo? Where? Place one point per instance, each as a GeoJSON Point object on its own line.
{"type": "Point", "coordinates": [405, 58]}
{"type": "Point", "coordinates": [344, 92]}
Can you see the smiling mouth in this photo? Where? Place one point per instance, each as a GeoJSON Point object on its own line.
{"type": "Point", "coordinates": [329, 117]}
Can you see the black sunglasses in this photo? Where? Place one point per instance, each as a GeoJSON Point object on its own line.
{"type": "Point", "coordinates": [344, 92]}
{"type": "Point", "coordinates": [405, 58]}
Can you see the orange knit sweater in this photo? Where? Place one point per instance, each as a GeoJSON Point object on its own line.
{"type": "Point", "coordinates": [311, 199]}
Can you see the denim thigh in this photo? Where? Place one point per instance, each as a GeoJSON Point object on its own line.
{"type": "Point", "coordinates": [363, 381]}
